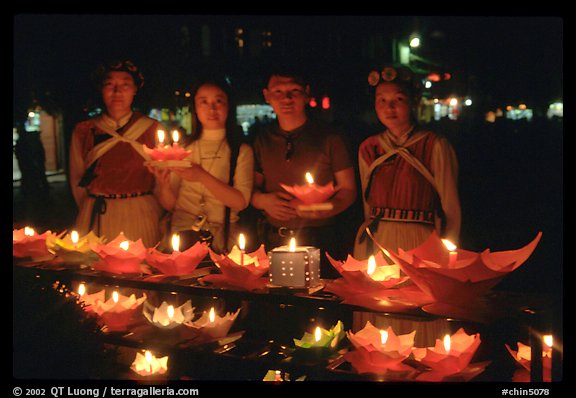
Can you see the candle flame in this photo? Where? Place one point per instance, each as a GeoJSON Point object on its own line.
{"type": "Point", "coordinates": [449, 245]}
{"type": "Point", "coordinates": [82, 289]}
{"type": "Point", "coordinates": [161, 136]}
{"type": "Point", "coordinates": [170, 311]}
{"type": "Point", "coordinates": [211, 315]}
{"type": "Point", "coordinates": [29, 231]}
{"type": "Point", "coordinates": [125, 245]}
{"type": "Point", "coordinates": [383, 336]}
{"type": "Point", "coordinates": [371, 265]}
{"type": "Point", "coordinates": [115, 296]}
{"type": "Point", "coordinates": [74, 236]}
{"type": "Point", "coordinates": [309, 178]}
{"type": "Point", "coordinates": [175, 242]}
{"type": "Point", "coordinates": [148, 356]}
{"type": "Point", "coordinates": [548, 340]}
{"type": "Point", "coordinates": [175, 136]}
{"type": "Point", "coordinates": [292, 246]}
{"type": "Point", "coordinates": [241, 242]}
{"type": "Point", "coordinates": [317, 333]}
{"type": "Point", "coordinates": [447, 343]}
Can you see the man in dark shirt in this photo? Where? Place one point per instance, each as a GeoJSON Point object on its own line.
{"type": "Point", "coordinates": [284, 153]}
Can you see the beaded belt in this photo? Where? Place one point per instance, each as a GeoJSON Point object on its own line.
{"type": "Point", "coordinates": [119, 195]}
{"type": "Point", "coordinates": [388, 214]}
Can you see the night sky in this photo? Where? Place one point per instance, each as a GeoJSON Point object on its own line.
{"type": "Point", "coordinates": [511, 58]}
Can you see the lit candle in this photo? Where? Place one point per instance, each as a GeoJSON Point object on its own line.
{"type": "Point", "coordinates": [548, 342]}
{"type": "Point", "coordinates": [146, 364]}
{"type": "Point", "coordinates": [148, 356]}
{"type": "Point", "coordinates": [170, 312]}
{"type": "Point", "coordinates": [447, 343]}
{"type": "Point", "coordinates": [371, 266]}
{"type": "Point", "coordinates": [453, 255]}
{"type": "Point", "coordinates": [29, 231]}
{"type": "Point", "coordinates": [309, 178]}
{"type": "Point", "coordinates": [161, 136]}
{"type": "Point", "coordinates": [115, 296]}
{"type": "Point", "coordinates": [317, 334]}
{"type": "Point", "coordinates": [175, 137]}
{"type": "Point", "coordinates": [292, 245]}
{"type": "Point", "coordinates": [81, 289]}
{"type": "Point", "coordinates": [124, 245]}
{"type": "Point", "coordinates": [211, 315]}
{"type": "Point", "coordinates": [383, 336]}
{"type": "Point", "coordinates": [74, 237]}
{"type": "Point", "coordinates": [175, 242]}
{"type": "Point", "coordinates": [241, 246]}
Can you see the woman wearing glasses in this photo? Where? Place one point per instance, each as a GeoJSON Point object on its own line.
{"type": "Point", "coordinates": [283, 154]}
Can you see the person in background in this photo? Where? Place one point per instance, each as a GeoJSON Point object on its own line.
{"type": "Point", "coordinates": [205, 198]}
{"type": "Point", "coordinates": [111, 186]}
{"type": "Point", "coordinates": [284, 153]}
{"type": "Point", "coordinates": [408, 174]}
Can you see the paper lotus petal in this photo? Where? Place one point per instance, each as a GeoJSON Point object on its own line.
{"type": "Point", "coordinates": [75, 252]}
{"type": "Point", "coordinates": [177, 263]}
{"type": "Point", "coordinates": [248, 276]}
{"type": "Point", "coordinates": [355, 273]}
{"type": "Point", "coordinates": [462, 349]}
{"type": "Point", "coordinates": [149, 366]}
{"type": "Point", "coordinates": [371, 355]}
{"type": "Point", "coordinates": [328, 338]}
{"type": "Point", "coordinates": [167, 152]}
{"type": "Point", "coordinates": [164, 318]}
{"type": "Point", "coordinates": [311, 193]}
{"type": "Point", "coordinates": [90, 300]}
{"type": "Point", "coordinates": [213, 329]}
{"type": "Point", "coordinates": [118, 260]}
{"type": "Point", "coordinates": [27, 243]}
{"type": "Point", "coordinates": [471, 275]}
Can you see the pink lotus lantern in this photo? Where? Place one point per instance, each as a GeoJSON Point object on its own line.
{"type": "Point", "coordinates": [524, 357]}
{"type": "Point", "coordinates": [87, 299]}
{"type": "Point", "coordinates": [75, 249]}
{"type": "Point", "coordinates": [118, 312]}
{"type": "Point", "coordinates": [211, 326]}
{"type": "Point", "coordinates": [167, 155]}
{"type": "Point", "coordinates": [449, 356]}
{"type": "Point", "coordinates": [379, 351]}
{"type": "Point", "coordinates": [26, 242]}
{"type": "Point", "coordinates": [120, 255]}
{"type": "Point", "coordinates": [177, 263]}
{"type": "Point", "coordinates": [312, 196]}
{"type": "Point", "coordinates": [146, 364]}
{"type": "Point", "coordinates": [167, 316]}
{"type": "Point", "coordinates": [455, 276]}
{"type": "Point", "coordinates": [240, 269]}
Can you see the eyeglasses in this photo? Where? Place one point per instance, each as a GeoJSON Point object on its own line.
{"type": "Point", "coordinates": [289, 148]}
{"type": "Point", "coordinates": [294, 93]}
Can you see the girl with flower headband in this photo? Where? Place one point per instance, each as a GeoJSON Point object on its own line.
{"type": "Point", "coordinates": [112, 188]}
{"type": "Point", "coordinates": [408, 173]}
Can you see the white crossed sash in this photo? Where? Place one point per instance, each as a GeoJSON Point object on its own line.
{"type": "Point", "coordinates": [130, 136]}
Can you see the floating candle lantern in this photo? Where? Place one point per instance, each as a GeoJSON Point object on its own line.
{"type": "Point", "coordinates": [73, 249]}
{"type": "Point", "coordinates": [295, 266]}
{"type": "Point", "coordinates": [464, 278]}
{"type": "Point", "coordinates": [89, 300]}
{"type": "Point", "coordinates": [379, 351]}
{"type": "Point", "coordinates": [177, 263]}
{"type": "Point", "coordinates": [449, 356]}
{"type": "Point", "coordinates": [146, 364]}
{"type": "Point", "coordinates": [26, 242]}
{"type": "Point", "coordinates": [311, 195]}
{"type": "Point", "coordinates": [167, 316]}
{"type": "Point", "coordinates": [119, 311]}
{"type": "Point", "coordinates": [322, 337]}
{"type": "Point", "coordinates": [211, 326]}
{"type": "Point", "coordinates": [247, 276]}
{"type": "Point", "coordinates": [167, 155]}
{"type": "Point", "coordinates": [523, 357]}
{"type": "Point", "coordinates": [120, 255]}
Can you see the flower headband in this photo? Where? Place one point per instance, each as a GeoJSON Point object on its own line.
{"type": "Point", "coordinates": [121, 66]}
{"type": "Point", "coordinates": [390, 74]}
